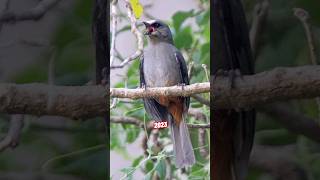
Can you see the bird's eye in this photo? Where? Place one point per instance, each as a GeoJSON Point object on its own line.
{"type": "Point", "coordinates": [156, 25]}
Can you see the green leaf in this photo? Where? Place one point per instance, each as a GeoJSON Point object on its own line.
{"type": "Point", "coordinates": [203, 18]}
{"type": "Point", "coordinates": [137, 161]}
{"type": "Point", "coordinates": [149, 166]}
{"type": "Point", "coordinates": [183, 39]}
{"type": "Point", "coordinates": [161, 168]}
{"type": "Point", "coordinates": [180, 17]}
{"type": "Point", "coordinates": [132, 135]}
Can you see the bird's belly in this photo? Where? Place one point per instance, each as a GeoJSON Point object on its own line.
{"type": "Point", "coordinates": [161, 74]}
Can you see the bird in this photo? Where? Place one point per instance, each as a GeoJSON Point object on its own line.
{"type": "Point", "coordinates": [233, 130]}
{"type": "Point", "coordinates": [162, 65]}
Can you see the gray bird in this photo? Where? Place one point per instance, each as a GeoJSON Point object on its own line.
{"type": "Point", "coordinates": [163, 65]}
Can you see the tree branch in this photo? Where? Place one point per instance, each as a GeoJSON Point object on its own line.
{"type": "Point", "coordinates": [259, 18]}
{"type": "Point", "coordinates": [279, 84]}
{"type": "Point", "coordinates": [137, 122]}
{"type": "Point", "coordinates": [160, 91]}
{"type": "Point", "coordinates": [137, 33]}
{"type": "Point", "coordinates": [75, 102]}
{"type": "Point", "coordinates": [303, 16]}
{"type": "Point", "coordinates": [81, 102]}
{"type": "Point", "coordinates": [293, 121]}
{"type": "Point", "coordinates": [13, 136]}
{"type": "Point", "coordinates": [32, 14]}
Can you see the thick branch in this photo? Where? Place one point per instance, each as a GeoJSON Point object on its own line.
{"type": "Point", "coordinates": [74, 102]}
{"type": "Point", "coordinates": [83, 102]}
{"type": "Point", "coordinates": [279, 84]}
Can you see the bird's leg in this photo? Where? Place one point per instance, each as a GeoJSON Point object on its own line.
{"type": "Point", "coordinates": [182, 85]}
{"type": "Point", "coordinates": [231, 74]}
{"type": "Point", "coordinates": [143, 86]}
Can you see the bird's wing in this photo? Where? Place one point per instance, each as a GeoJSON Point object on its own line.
{"type": "Point", "coordinates": [153, 108]}
{"type": "Point", "coordinates": [184, 74]}
{"type": "Point", "coordinates": [142, 80]}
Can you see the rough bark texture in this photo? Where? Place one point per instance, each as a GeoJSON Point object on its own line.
{"type": "Point", "coordinates": [279, 84]}
{"type": "Point", "coordinates": [160, 91]}
{"type": "Point", "coordinates": [82, 102]}
{"type": "Point", "coordinates": [39, 99]}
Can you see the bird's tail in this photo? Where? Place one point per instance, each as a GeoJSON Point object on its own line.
{"type": "Point", "coordinates": [182, 146]}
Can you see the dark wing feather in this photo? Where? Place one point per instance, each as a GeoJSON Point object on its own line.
{"type": "Point", "coordinates": [142, 80]}
{"type": "Point", "coordinates": [184, 74]}
{"type": "Point", "coordinates": [153, 108]}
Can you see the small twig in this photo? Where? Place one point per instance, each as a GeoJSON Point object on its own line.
{"type": "Point", "coordinates": [295, 122]}
{"type": "Point", "coordinates": [303, 16]}
{"type": "Point", "coordinates": [168, 169]}
{"type": "Point", "coordinates": [138, 34]}
{"type": "Point", "coordinates": [204, 66]}
{"type": "Point", "coordinates": [190, 69]}
{"type": "Point", "coordinates": [260, 14]}
{"type": "Point", "coordinates": [114, 30]}
{"type": "Point", "coordinates": [137, 122]}
{"type": "Point", "coordinates": [201, 99]}
{"type": "Point", "coordinates": [197, 114]}
{"type": "Point", "coordinates": [13, 136]}
{"type": "Point", "coordinates": [114, 103]}
{"type": "Point", "coordinates": [118, 55]}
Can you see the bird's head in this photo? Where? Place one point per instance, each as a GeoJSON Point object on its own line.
{"type": "Point", "coordinates": [158, 31]}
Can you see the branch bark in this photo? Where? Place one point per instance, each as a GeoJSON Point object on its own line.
{"type": "Point", "coordinates": [160, 91]}
{"type": "Point", "coordinates": [81, 102]}
{"type": "Point", "coordinates": [279, 84]}
{"type": "Point", "coordinates": [75, 102]}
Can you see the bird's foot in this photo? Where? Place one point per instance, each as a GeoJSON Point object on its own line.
{"type": "Point", "coordinates": [143, 86]}
{"type": "Point", "coordinates": [231, 74]}
{"type": "Point", "coordinates": [181, 85]}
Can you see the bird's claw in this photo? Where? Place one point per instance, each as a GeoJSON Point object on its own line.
{"type": "Point", "coordinates": [231, 74]}
{"type": "Point", "coordinates": [143, 86]}
{"type": "Point", "coordinates": [182, 85]}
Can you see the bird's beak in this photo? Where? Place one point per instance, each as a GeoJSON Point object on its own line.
{"type": "Point", "coordinates": [149, 28]}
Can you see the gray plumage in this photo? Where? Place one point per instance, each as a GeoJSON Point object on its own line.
{"type": "Point", "coordinates": [163, 65]}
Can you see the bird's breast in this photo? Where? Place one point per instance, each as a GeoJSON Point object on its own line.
{"type": "Point", "coordinates": [161, 69]}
